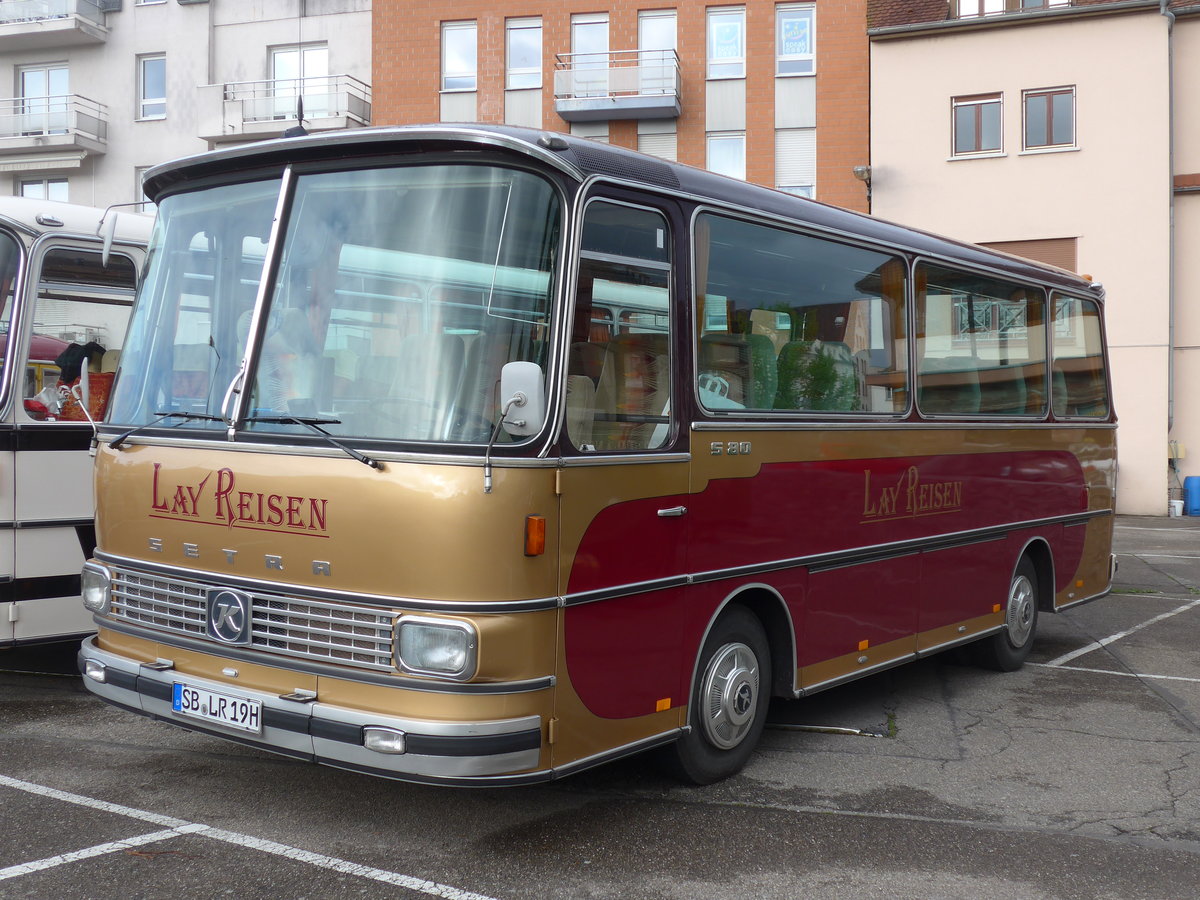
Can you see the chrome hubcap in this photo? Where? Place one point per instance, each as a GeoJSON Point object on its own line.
{"type": "Point", "coordinates": [729, 695]}
{"type": "Point", "coordinates": [1021, 611]}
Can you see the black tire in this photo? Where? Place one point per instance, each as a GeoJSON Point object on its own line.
{"type": "Point", "coordinates": [729, 701]}
{"type": "Point", "coordinates": [1008, 650]}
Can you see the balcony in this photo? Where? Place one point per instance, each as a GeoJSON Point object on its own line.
{"type": "Point", "coordinates": [39, 24]}
{"type": "Point", "coordinates": [256, 110]}
{"type": "Point", "coordinates": [37, 125]}
{"type": "Point", "coordinates": [622, 84]}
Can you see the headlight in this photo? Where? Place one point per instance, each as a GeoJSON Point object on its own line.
{"type": "Point", "coordinates": [436, 647]}
{"type": "Point", "coordinates": [96, 587]}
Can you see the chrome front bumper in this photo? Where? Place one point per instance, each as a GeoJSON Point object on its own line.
{"type": "Point", "coordinates": [445, 752]}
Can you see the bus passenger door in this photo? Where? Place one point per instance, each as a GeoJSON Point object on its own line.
{"type": "Point", "coordinates": [624, 485]}
{"type": "Point", "coordinates": [72, 327]}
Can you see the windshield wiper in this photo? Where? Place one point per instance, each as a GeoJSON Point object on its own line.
{"type": "Point", "coordinates": [314, 425]}
{"type": "Point", "coordinates": [116, 442]}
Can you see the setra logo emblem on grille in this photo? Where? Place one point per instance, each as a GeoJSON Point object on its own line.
{"type": "Point", "coordinates": [229, 616]}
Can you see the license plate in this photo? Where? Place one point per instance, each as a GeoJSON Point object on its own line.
{"type": "Point", "coordinates": [209, 706]}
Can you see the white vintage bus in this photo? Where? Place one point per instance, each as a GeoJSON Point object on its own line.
{"type": "Point", "coordinates": [65, 307]}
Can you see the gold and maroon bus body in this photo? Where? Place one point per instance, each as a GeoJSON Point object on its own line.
{"type": "Point", "coordinates": [479, 455]}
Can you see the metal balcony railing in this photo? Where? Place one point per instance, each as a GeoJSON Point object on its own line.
{"type": "Point", "coordinates": [619, 84]}
{"type": "Point", "coordinates": [327, 96]}
{"type": "Point", "coordinates": [976, 9]}
{"type": "Point", "coordinates": [15, 11]}
{"type": "Point", "coordinates": [67, 114]}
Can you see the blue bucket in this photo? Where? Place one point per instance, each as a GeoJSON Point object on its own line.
{"type": "Point", "coordinates": [1191, 495]}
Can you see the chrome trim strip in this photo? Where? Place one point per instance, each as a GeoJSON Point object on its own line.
{"type": "Point", "coordinates": [814, 424]}
{"type": "Point", "coordinates": [586, 762]}
{"type": "Point", "coordinates": [626, 590]}
{"type": "Point", "coordinates": [309, 667]}
{"type": "Point", "coordinates": [1080, 602]}
{"type": "Point", "coordinates": [958, 642]}
{"type": "Point", "coordinates": [47, 523]}
{"type": "Point", "coordinates": [635, 459]}
{"type": "Point", "coordinates": [301, 591]}
{"type": "Point", "coordinates": [839, 558]}
{"type": "Point", "coordinates": [853, 676]}
{"type": "Point", "coordinates": [358, 717]}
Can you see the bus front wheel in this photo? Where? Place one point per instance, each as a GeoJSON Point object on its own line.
{"type": "Point", "coordinates": [1007, 650]}
{"type": "Point", "coordinates": [729, 701]}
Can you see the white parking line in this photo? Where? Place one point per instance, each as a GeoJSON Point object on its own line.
{"type": "Point", "coordinates": [1104, 642]}
{"type": "Point", "coordinates": [1113, 672]}
{"type": "Point", "coordinates": [178, 827]}
{"type": "Point", "coordinates": [99, 850]}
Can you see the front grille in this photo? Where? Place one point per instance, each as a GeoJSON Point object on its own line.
{"type": "Point", "coordinates": [310, 629]}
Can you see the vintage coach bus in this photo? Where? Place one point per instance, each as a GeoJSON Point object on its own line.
{"type": "Point", "coordinates": [479, 455]}
{"type": "Point", "coordinates": [65, 307]}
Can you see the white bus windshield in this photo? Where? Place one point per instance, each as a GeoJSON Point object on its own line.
{"type": "Point", "coordinates": [400, 294]}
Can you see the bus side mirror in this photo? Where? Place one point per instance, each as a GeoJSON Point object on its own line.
{"type": "Point", "coordinates": [108, 230]}
{"type": "Point", "coordinates": [523, 398]}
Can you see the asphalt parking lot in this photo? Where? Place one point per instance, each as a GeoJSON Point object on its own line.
{"type": "Point", "coordinates": [1076, 777]}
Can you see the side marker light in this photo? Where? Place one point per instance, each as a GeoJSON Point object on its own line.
{"type": "Point", "coordinates": [663, 705]}
{"type": "Point", "coordinates": [535, 535]}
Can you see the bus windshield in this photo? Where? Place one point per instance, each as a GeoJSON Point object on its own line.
{"type": "Point", "coordinates": [400, 294]}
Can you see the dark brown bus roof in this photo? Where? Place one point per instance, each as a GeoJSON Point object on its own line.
{"type": "Point", "coordinates": [579, 159]}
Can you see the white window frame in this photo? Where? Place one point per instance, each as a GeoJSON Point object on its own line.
{"type": "Point", "coordinates": [734, 18]}
{"type": "Point", "coordinates": [46, 184]}
{"type": "Point", "coordinates": [449, 28]}
{"type": "Point", "coordinates": [1049, 147]}
{"type": "Point", "coordinates": [801, 64]}
{"type": "Point", "coordinates": [718, 138]}
{"type": "Point", "coordinates": [518, 78]}
{"type": "Point", "coordinates": [144, 101]}
{"type": "Point", "coordinates": [975, 100]}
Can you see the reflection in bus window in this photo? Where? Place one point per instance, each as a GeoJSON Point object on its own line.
{"type": "Point", "coordinates": [211, 244]}
{"type": "Point", "coordinates": [981, 345]}
{"type": "Point", "coordinates": [401, 295]}
{"type": "Point", "coordinates": [81, 310]}
{"type": "Point", "coordinates": [795, 323]}
{"type": "Point", "coordinates": [1080, 385]}
{"type": "Point", "coordinates": [619, 372]}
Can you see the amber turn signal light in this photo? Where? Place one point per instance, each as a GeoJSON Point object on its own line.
{"type": "Point", "coordinates": [535, 535]}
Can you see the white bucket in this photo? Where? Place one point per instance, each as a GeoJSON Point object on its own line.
{"type": "Point", "coordinates": [1176, 507]}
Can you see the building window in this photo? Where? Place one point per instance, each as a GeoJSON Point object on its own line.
{"type": "Point", "coordinates": [45, 106]}
{"type": "Point", "coordinates": [152, 87]}
{"type": "Point", "coordinates": [656, 52]}
{"type": "Point", "coordinates": [973, 9]}
{"type": "Point", "coordinates": [727, 154]}
{"type": "Point", "coordinates": [795, 40]}
{"type": "Point", "coordinates": [300, 79]}
{"type": "Point", "coordinates": [523, 45]}
{"type": "Point", "coordinates": [976, 124]}
{"type": "Point", "coordinates": [727, 42]}
{"type": "Point", "coordinates": [589, 54]}
{"type": "Point", "coordinates": [1050, 118]}
{"type": "Point", "coordinates": [139, 190]}
{"type": "Point", "coordinates": [796, 161]}
{"type": "Point", "coordinates": [44, 189]}
{"type": "Point", "coordinates": [459, 55]}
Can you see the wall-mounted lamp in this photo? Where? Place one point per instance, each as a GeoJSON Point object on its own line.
{"type": "Point", "coordinates": [863, 174]}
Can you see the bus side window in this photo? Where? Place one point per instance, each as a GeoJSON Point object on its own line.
{"type": "Point", "coordinates": [794, 323]}
{"type": "Point", "coordinates": [619, 366]}
{"type": "Point", "coordinates": [79, 320]}
{"type": "Point", "coordinates": [981, 345]}
{"type": "Point", "coordinates": [1080, 384]}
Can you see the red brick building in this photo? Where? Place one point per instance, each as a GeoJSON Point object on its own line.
{"type": "Point", "coordinates": [776, 93]}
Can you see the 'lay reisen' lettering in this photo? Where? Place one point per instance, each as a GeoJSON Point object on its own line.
{"type": "Point", "coordinates": [231, 506]}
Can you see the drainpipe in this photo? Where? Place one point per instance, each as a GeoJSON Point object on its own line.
{"type": "Point", "coordinates": [1170, 17]}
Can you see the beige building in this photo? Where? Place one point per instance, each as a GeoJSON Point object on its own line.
{"type": "Point", "coordinates": [104, 89]}
{"type": "Point", "coordinates": [1069, 133]}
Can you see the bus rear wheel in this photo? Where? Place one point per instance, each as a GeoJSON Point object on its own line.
{"type": "Point", "coordinates": [1007, 650]}
{"type": "Point", "coordinates": [729, 701]}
